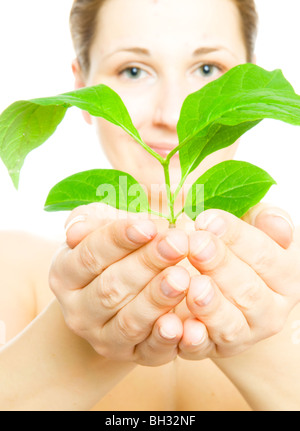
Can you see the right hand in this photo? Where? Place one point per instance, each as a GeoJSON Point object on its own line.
{"type": "Point", "coordinates": [118, 286]}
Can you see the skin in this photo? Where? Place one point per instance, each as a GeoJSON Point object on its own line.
{"type": "Point", "coordinates": [165, 76]}
{"type": "Point", "coordinates": [154, 97]}
{"type": "Point", "coordinates": [224, 313]}
{"type": "Point", "coordinates": [63, 361]}
{"type": "Point", "coordinates": [211, 299]}
{"type": "Point", "coordinates": [265, 311]}
{"type": "Point", "coordinates": [117, 279]}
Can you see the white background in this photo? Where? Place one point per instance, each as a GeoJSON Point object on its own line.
{"type": "Point", "coordinates": [35, 61]}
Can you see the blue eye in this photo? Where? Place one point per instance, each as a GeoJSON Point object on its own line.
{"type": "Point", "coordinates": [208, 70]}
{"type": "Point", "coordinates": [133, 72]}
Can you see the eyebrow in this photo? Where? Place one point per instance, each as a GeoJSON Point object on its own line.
{"type": "Point", "coordinates": [143, 51]}
{"type": "Point", "coordinates": [134, 50]}
{"type": "Point", "coordinates": [207, 50]}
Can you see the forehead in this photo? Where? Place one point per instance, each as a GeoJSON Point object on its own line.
{"type": "Point", "coordinates": [184, 23]}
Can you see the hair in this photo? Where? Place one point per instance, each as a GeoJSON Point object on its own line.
{"type": "Point", "coordinates": [84, 17]}
{"type": "Point", "coordinates": [249, 24]}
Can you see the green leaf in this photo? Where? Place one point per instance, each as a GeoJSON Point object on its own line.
{"type": "Point", "coordinates": [115, 188]}
{"type": "Point", "coordinates": [218, 114]}
{"type": "Point", "coordinates": [232, 186]}
{"type": "Point", "coordinates": [25, 125]}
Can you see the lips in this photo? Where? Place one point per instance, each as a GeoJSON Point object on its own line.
{"type": "Point", "coordinates": [163, 149]}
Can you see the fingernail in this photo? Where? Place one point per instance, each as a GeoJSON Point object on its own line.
{"type": "Point", "coordinates": [204, 289]}
{"type": "Point", "coordinates": [202, 248]}
{"type": "Point", "coordinates": [197, 338]}
{"type": "Point", "coordinates": [78, 219]}
{"type": "Point", "coordinates": [141, 232]}
{"type": "Point", "coordinates": [277, 214]}
{"type": "Point", "coordinates": [196, 333]}
{"type": "Point", "coordinates": [172, 288]}
{"type": "Point", "coordinates": [214, 223]}
{"type": "Point", "coordinates": [171, 247]}
{"type": "Point", "coordinates": [167, 333]}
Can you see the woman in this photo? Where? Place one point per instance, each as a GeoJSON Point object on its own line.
{"type": "Point", "coordinates": [118, 280]}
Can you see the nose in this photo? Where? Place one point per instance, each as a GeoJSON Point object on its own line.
{"type": "Point", "coordinates": [169, 100]}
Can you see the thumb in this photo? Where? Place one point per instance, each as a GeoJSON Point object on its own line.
{"type": "Point", "coordinates": [85, 219]}
{"type": "Point", "coordinates": [273, 221]}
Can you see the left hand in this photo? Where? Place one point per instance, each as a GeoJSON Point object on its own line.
{"type": "Point", "coordinates": [248, 285]}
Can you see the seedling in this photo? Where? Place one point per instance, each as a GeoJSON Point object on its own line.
{"type": "Point", "coordinates": [210, 119]}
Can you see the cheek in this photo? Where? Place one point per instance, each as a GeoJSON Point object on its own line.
{"type": "Point", "coordinates": [120, 149]}
{"type": "Point", "coordinates": [139, 105]}
{"type": "Point", "coordinates": [109, 139]}
{"type": "Point", "coordinates": [109, 134]}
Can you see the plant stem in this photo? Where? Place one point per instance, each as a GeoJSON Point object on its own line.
{"type": "Point", "coordinates": [158, 214]}
{"type": "Point", "coordinates": [147, 148]}
{"type": "Point", "coordinates": [172, 218]}
{"type": "Point", "coordinates": [180, 185]}
{"type": "Point", "coordinates": [179, 213]}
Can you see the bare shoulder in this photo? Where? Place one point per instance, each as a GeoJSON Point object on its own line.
{"type": "Point", "coordinates": [25, 251]}
{"type": "Point", "coordinates": [24, 264]}
{"type": "Point", "coordinates": [17, 242]}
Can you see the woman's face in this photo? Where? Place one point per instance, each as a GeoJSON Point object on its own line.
{"type": "Point", "coordinates": [154, 53]}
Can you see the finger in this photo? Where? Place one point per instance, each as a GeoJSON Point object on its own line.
{"type": "Point", "coordinates": [275, 222]}
{"type": "Point", "coordinates": [134, 322]}
{"type": "Point", "coordinates": [161, 346]}
{"type": "Point", "coordinates": [195, 343]}
{"type": "Point", "coordinates": [136, 270]}
{"type": "Point", "coordinates": [237, 281]}
{"type": "Point", "coordinates": [99, 249]}
{"type": "Point", "coordinates": [225, 323]}
{"type": "Point", "coordinates": [87, 218]}
{"type": "Point", "coordinates": [121, 282]}
{"type": "Point", "coordinates": [269, 260]}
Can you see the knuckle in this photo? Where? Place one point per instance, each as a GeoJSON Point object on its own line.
{"type": "Point", "coordinates": [54, 282]}
{"type": "Point", "coordinates": [220, 261]}
{"type": "Point", "coordinates": [159, 303]}
{"type": "Point", "coordinates": [88, 259]}
{"type": "Point", "coordinates": [108, 353]}
{"type": "Point", "coordinates": [263, 259]}
{"type": "Point", "coordinates": [100, 345]}
{"type": "Point", "coordinates": [235, 233]}
{"type": "Point", "coordinates": [102, 350]}
{"type": "Point", "coordinates": [129, 328]}
{"type": "Point", "coordinates": [74, 323]}
{"type": "Point", "coordinates": [54, 276]}
{"type": "Point", "coordinates": [111, 292]}
{"type": "Point", "coordinates": [117, 235]}
{"type": "Point", "coordinates": [248, 295]}
{"type": "Point", "coordinates": [147, 263]}
{"type": "Point", "coordinates": [224, 256]}
{"type": "Point", "coordinates": [154, 299]}
{"type": "Point", "coordinates": [144, 356]}
{"type": "Point", "coordinates": [232, 334]}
